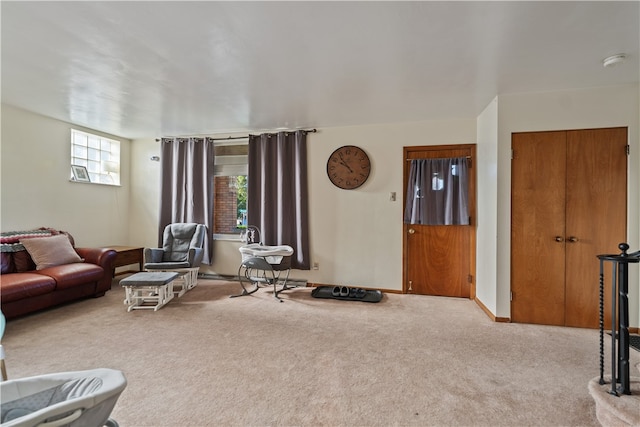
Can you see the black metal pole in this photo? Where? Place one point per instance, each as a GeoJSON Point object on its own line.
{"type": "Point", "coordinates": [614, 329]}
{"type": "Point", "coordinates": [601, 321]}
{"type": "Point", "coordinates": [623, 304]}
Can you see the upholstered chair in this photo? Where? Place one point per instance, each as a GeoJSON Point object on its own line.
{"type": "Point", "coordinates": [182, 250]}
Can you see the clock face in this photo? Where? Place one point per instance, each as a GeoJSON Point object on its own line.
{"type": "Point", "coordinates": [348, 167]}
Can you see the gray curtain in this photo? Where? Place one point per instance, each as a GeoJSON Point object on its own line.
{"type": "Point", "coordinates": [277, 184]}
{"type": "Point", "coordinates": [186, 193]}
{"type": "Point", "coordinates": [437, 192]}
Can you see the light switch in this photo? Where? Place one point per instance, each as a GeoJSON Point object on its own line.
{"type": "Point", "coordinates": [392, 196]}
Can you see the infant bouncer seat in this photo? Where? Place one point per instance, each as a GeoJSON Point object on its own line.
{"type": "Point", "coordinates": [75, 399]}
{"type": "Point", "coordinates": [262, 264]}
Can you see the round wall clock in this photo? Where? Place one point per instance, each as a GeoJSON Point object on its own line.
{"type": "Point", "coordinates": [348, 167]}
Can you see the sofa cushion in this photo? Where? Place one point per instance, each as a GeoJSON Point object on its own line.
{"type": "Point", "coordinates": [23, 262]}
{"type": "Point", "coordinates": [6, 263]}
{"type": "Point", "coordinates": [70, 275]}
{"type": "Point", "coordinates": [17, 286]}
{"type": "Point", "coordinates": [16, 262]}
{"type": "Point", "coordinates": [50, 251]}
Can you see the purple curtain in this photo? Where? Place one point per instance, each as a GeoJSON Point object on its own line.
{"type": "Point", "coordinates": [437, 192]}
{"type": "Point", "coordinates": [186, 192]}
{"type": "Point", "coordinates": [277, 184]}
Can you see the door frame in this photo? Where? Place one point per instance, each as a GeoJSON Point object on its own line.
{"type": "Point", "coordinates": [406, 156]}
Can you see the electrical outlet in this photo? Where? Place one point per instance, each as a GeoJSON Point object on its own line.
{"type": "Point", "coordinates": [316, 266]}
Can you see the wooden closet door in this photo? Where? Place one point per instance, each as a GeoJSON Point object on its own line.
{"type": "Point", "coordinates": [569, 204]}
{"type": "Point", "coordinates": [596, 216]}
{"type": "Point", "coordinates": [538, 227]}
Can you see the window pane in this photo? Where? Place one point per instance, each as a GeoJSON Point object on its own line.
{"type": "Point", "coordinates": [93, 167]}
{"type": "Point", "coordinates": [94, 142]}
{"type": "Point", "coordinates": [230, 216]}
{"type": "Point", "coordinates": [79, 139]}
{"type": "Point", "coordinates": [93, 154]}
{"type": "Point", "coordinates": [79, 151]}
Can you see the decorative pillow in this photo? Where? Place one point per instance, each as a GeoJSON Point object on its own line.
{"type": "Point", "coordinates": [51, 251]}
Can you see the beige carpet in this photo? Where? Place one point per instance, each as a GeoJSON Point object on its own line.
{"type": "Point", "coordinates": [616, 410]}
{"type": "Point", "coordinates": [208, 360]}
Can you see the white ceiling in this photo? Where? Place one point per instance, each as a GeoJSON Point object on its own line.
{"type": "Point", "coordinates": [155, 68]}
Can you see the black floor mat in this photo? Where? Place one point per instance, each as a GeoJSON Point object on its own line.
{"type": "Point", "coordinates": [346, 293]}
{"type": "Point", "coordinates": [634, 341]}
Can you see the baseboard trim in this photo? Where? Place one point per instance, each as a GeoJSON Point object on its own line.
{"type": "Point", "coordinates": [490, 314]}
{"type": "Point", "coordinates": [632, 330]}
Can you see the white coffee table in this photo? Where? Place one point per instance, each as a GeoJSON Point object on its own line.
{"type": "Point", "coordinates": [148, 290]}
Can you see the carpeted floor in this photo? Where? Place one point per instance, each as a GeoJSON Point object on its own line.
{"type": "Point", "coordinates": [208, 360]}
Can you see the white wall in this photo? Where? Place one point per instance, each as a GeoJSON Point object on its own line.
{"type": "Point", "coordinates": [487, 170]}
{"type": "Point", "coordinates": [576, 109]}
{"type": "Point", "coordinates": [37, 192]}
{"type": "Point", "coordinates": [355, 235]}
{"type": "Point", "coordinates": [145, 192]}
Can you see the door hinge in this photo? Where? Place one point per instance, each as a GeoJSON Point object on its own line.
{"type": "Point", "coordinates": [510, 296]}
{"type": "Point", "coordinates": [512, 153]}
{"type": "Point", "coordinates": [628, 148]}
{"type": "Point", "coordinates": [470, 278]}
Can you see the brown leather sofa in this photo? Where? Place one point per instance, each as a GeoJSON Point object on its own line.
{"type": "Point", "coordinates": [24, 289]}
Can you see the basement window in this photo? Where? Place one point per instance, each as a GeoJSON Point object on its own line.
{"type": "Point", "coordinates": [99, 156]}
{"type": "Point", "coordinates": [230, 182]}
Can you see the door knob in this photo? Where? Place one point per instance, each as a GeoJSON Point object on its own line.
{"type": "Point", "coordinates": [559, 239]}
{"type": "Point", "coordinates": [572, 239]}
{"type": "Point", "coordinates": [412, 231]}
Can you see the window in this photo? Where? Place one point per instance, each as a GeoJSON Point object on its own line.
{"type": "Point", "coordinates": [101, 157]}
{"type": "Point", "coordinates": [230, 183]}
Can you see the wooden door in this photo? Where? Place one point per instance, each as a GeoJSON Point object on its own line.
{"type": "Point", "coordinates": [440, 259]}
{"type": "Point", "coordinates": [568, 205]}
{"type": "Point", "coordinates": [596, 216]}
{"type": "Point", "coordinates": [537, 227]}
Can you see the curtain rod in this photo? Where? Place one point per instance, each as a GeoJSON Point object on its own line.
{"type": "Point", "coordinates": [245, 137]}
{"type": "Point", "coordinates": [427, 158]}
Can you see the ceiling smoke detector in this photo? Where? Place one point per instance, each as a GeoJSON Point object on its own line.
{"type": "Point", "coordinates": [614, 60]}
